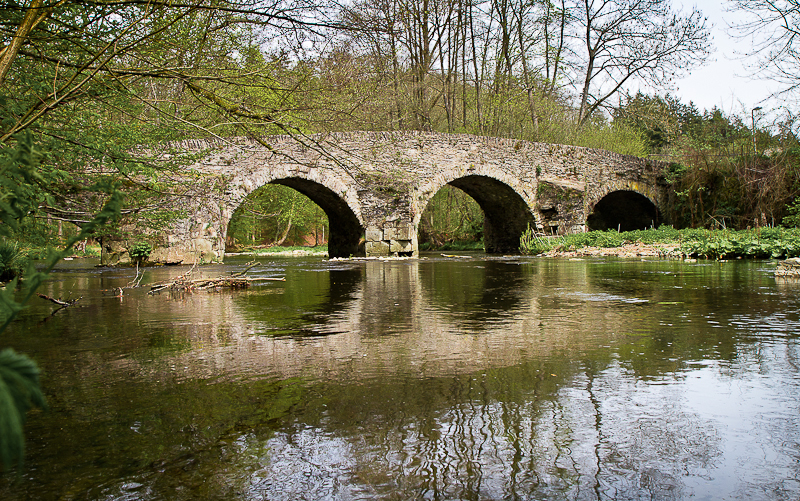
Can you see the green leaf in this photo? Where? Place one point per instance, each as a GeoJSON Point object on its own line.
{"type": "Point", "coordinates": [19, 392]}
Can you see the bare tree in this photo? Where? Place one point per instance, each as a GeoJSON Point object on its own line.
{"type": "Point", "coordinates": [625, 40]}
{"type": "Point", "coordinates": [774, 28]}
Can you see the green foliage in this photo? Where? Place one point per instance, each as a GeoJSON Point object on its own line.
{"type": "Point", "coordinates": [760, 243]}
{"type": "Point", "coordinates": [274, 214]}
{"type": "Point", "coordinates": [451, 216]}
{"type": "Point", "coordinates": [12, 260]}
{"type": "Point", "coordinates": [660, 121]}
{"type": "Point", "coordinates": [793, 217]}
{"type": "Point", "coordinates": [712, 244]}
{"type": "Point", "coordinates": [19, 180]}
{"type": "Point", "coordinates": [19, 392]}
{"type": "Point", "coordinates": [20, 193]}
{"type": "Point", "coordinates": [719, 174]}
{"type": "Point", "coordinates": [531, 243]}
{"type": "Point", "coordinates": [140, 251]}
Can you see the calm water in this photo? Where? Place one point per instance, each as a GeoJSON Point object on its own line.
{"type": "Point", "coordinates": [437, 378]}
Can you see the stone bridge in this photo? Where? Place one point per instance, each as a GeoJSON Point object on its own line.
{"type": "Point", "coordinates": [374, 187]}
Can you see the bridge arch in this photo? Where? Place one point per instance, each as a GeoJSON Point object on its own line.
{"type": "Point", "coordinates": [330, 194]}
{"type": "Point", "coordinates": [380, 182]}
{"type": "Point", "coordinates": [505, 202]}
{"type": "Point", "coordinates": [624, 208]}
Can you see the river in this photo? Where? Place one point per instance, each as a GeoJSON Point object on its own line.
{"type": "Point", "coordinates": [438, 378]}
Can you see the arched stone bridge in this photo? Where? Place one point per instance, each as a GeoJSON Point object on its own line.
{"type": "Point", "coordinates": [376, 185]}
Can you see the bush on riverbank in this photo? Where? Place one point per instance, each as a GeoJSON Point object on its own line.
{"type": "Point", "coordinates": [711, 244]}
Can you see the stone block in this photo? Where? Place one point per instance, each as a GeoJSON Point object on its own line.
{"type": "Point", "coordinates": [402, 232]}
{"type": "Point", "coordinates": [377, 249]}
{"type": "Point", "coordinates": [401, 246]}
{"type": "Point", "coordinates": [374, 234]}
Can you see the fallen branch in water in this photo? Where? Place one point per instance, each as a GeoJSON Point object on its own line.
{"type": "Point", "coordinates": [59, 301]}
{"type": "Point", "coordinates": [235, 281]}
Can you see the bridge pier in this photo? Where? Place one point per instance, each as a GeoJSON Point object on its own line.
{"type": "Point", "coordinates": [374, 187]}
{"type": "Point", "coordinates": [395, 238]}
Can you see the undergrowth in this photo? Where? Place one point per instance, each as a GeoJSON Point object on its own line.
{"type": "Point", "coordinates": [469, 245]}
{"type": "Point", "coordinates": [280, 249]}
{"type": "Point", "coordinates": [767, 242]}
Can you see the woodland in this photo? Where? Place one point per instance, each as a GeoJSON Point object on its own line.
{"type": "Point", "coordinates": [85, 85]}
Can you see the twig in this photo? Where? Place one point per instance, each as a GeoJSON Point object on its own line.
{"type": "Point", "coordinates": [250, 266]}
{"type": "Point", "coordinates": [137, 281]}
{"type": "Point", "coordinates": [234, 281]}
{"type": "Point", "coordinates": [59, 301]}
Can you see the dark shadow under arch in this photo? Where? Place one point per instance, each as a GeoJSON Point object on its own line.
{"type": "Point", "coordinates": [624, 211]}
{"type": "Point", "coordinates": [345, 229]}
{"type": "Point", "coordinates": [505, 214]}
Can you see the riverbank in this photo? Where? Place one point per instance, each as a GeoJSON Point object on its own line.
{"type": "Point", "coordinates": [759, 243]}
{"type": "Point", "coordinates": [672, 251]}
{"type": "Point", "coordinates": [284, 253]}
{"type": "Point", "coordinates": [321, 251]}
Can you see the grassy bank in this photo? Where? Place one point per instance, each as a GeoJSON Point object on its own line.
{"type": "Point", "coordinates": [470, 245]}
{"type": "Point", "coordinates": [759, 243]}
{"type": "Point", "coordinates": [280, 250]}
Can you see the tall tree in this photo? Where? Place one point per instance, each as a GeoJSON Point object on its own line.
{"type": "Point", "coordinates": [626, 40]}
{"type": "Point", "coordinates": [92, 80]}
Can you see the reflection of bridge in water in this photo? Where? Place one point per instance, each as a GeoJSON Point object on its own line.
{"type": "Point", "coordinates": [484, 378]}
{"type": "Point", "coordinates": [369, 319]}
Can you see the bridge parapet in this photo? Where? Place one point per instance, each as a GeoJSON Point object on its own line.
{"type": "Point", "coordinates": [374, 187]}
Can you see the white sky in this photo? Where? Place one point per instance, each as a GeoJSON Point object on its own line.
{"type": "Point", "coordinates": [724, 81]}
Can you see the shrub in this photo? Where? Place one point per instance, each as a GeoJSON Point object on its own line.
{"type": "Point", "coordinates": [140, 251]}
{"type": "Point", "coordinates": [12, 260]}
{"type": "Point", "coordinates": [769, 242]}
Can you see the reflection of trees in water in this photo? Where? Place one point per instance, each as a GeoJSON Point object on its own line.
{"type": "Point", "coordinates": [474, 293]}
{"type": "Point", "coordinates": [561, 398]}
{"type": "Point", "coordinates": [506, 433]}
{"type": "Point", "coordinates": [306, 302]}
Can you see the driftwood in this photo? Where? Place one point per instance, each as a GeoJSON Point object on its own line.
{"type": "Point", "coordinates": [233, 281]}
{"type": "Point", "coordinates": [62, 303]}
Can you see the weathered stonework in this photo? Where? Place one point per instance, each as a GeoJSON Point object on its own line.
{"type": "Point", "coordinates": [374, 187]}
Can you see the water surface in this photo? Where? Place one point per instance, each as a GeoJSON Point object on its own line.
{"type": "Point", "coordinates": [440, 378]}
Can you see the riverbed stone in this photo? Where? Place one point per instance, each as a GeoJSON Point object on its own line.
{"type": "Point", "coordinates": [788, 268]}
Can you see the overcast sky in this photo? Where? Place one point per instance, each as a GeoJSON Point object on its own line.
{"type": "Point", "coordinates": [724, 81]}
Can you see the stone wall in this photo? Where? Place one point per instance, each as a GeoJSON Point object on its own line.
{"type": "Point", "coordinates": [376, 185]}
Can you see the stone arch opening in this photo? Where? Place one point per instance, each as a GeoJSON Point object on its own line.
{"type": "Point", "coordinates": [450, 216]}
{"type": "Point", "coordinates": [624, 211]}
{"type": "Point", "coordinates": [344, 229]}
{"type": "Point", "coordinates": [505, 214]}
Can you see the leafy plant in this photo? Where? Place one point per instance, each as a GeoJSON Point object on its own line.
{"type": "Point", "coordinates": [19, 391]}
{"type": "Point", "coordinates": [140, 251]}
{"type": "Point", "coordinates": [12, 260]}
{"type": "Point", "coordinates": [760, 243]}
{"type": "Point", "coordinates": [19, 375]}
{"type": "Point", "coordinates": [793, 218]}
